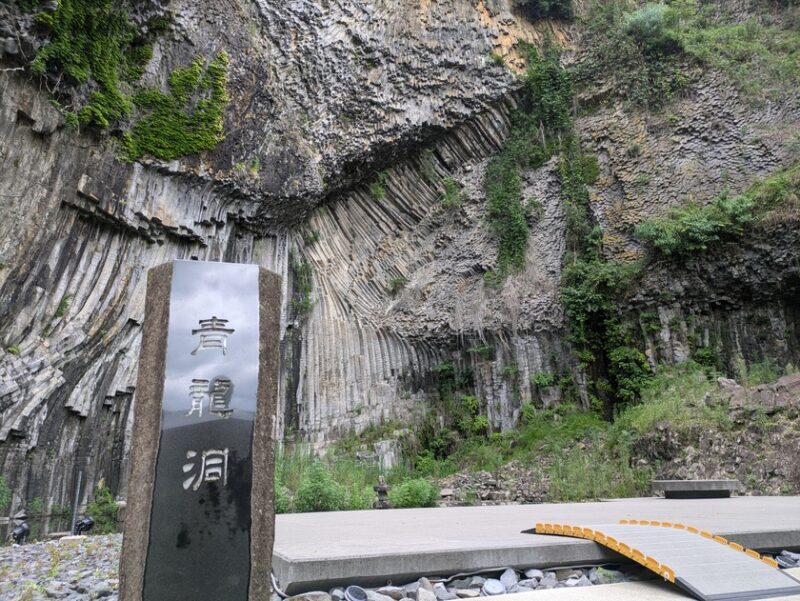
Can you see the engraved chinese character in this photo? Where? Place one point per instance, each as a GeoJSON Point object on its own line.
{"type": "Point", "coordinates": [219, 394]}
{"type": "Point", "coordinates": [213, 334]}
{"type": "Point", "coordinates": [198, 391]}
{"type": "Point", "coordinates": [213, 468]}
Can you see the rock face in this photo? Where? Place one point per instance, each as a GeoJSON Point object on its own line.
{"type": "Point", "coordinates": [329, 100]}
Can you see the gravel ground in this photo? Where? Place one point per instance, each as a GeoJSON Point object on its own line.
{"type": "Point", "coordinates": [71, 570]}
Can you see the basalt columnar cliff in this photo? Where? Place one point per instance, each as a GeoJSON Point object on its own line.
{"type": "Point", "coordinates": [352, 159]}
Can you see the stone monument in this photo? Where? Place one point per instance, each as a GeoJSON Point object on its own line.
{"type": "Point", "coordinates": [200, 514]}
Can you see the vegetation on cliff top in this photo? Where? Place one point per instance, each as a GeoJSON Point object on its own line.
{"type": "Point", "coordinates": [654, 51]}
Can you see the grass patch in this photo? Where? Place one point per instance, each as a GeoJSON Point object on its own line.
{"type": "Point", "coordinates": [396, 284]}
{"type": "Point", "coordinates": [339, 482]}
{"type": "Point", "coordinates": [63, 306]}
{"type": "Point", "coordinates": [377, 189]}
{"type": "Point", "coordinates": [592, 473]}
{"type": "Point", "coordinates": [675, 395]}
{"type": "Point", "coordinates": [452, 196]}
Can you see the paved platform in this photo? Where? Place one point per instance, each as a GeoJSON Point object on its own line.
{"type": "Point", "coordinates": [319, 550]}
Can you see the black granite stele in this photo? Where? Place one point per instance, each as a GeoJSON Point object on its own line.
{"type": "Point", "coordinates": [200, 519]}
{"type": "Point", "coordinates": [197, 500]}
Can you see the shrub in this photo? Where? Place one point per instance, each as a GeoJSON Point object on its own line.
{"type": "Point", "coordinates": [548, 9]}
{"type": "Point", "coordinates": [649, 26]}
{"type": "Point", "coordinates": [690, 229]}
{"type": "Point", "coordinates": [416, 492]}
{"type": "Point", "coordinates": [544, 379]}
{"type": "Point", "coordinates": [629, 369]}
{"type": "Point", "coordinates": [359, 497]}
{"type": "Point", "coordinates": [319, 492]}
{"type": "Point", "coordinates": [103, 510]}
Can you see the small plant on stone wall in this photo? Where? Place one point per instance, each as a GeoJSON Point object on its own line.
{"type": "Point", "coordinates": [396, 284]}
{"type": "Point", "coordinates": [63, 306]}
{"type": "Point", "coordinates": [452, 196]}
{"type": "Point", "coordinates": [13, 349]}
{"type": "Point", "coordinates": [543, 379]}
{"type": "Point", "coordinates": [427, 163]}
{"type": "Point", "coordinates": [377, 189]}
{"type": "Point", "coordinates": [484, 351]}
{"type": "Point", "coordinates": [302, 302]}
{"type": "Point", "coordinates": [5, 495]}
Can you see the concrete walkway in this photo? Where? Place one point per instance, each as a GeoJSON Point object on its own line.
{"type": "Point", "coordinates": [318, 550]}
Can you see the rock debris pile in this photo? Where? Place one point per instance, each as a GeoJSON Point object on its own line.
{"type": "Point", "coordinates": [486, 584]}
{"type": "Point", "coordinates": [80, 570]}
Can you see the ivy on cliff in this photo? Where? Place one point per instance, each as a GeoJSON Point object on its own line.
{"type": "Point", "coordinates": [185, 121]}
{"type": "Point", "coordinates": [590, 287]}
{"type": "Point", "coordinates": [543, 126]}
{"type": "Point", "coordinates": [544, 112]}
{"type": "Point", "coordinates": [96, 44]}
